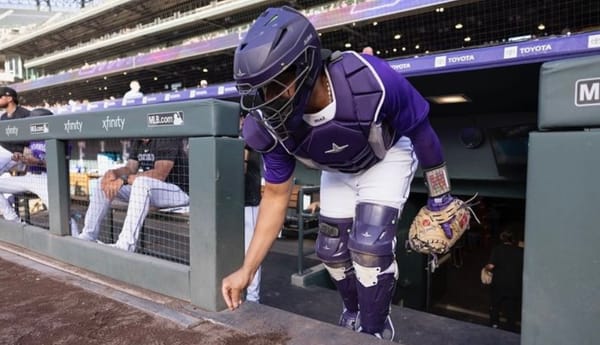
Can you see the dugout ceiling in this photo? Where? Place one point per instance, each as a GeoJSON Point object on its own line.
{"type": "Point", "coordinates": [512, 89]}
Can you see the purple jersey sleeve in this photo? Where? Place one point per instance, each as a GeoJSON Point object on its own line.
{"type": "Point", "coordinates": [38, 149]}
{"type": "Point", "coordinates": [278, 165]}
{"type": "Point", "coordinates": [406, 110]}
{"type": "Point", "coordinates": [427, 145]}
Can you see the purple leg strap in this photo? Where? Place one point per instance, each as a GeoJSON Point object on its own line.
{"type": "Point", "coordinates": [332, 241]}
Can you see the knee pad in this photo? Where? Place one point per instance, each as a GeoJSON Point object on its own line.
{"type": "Point", "coordinates": [373, 241]}
{"type": "Point", "coordinates": [332, 240]}
{"type": "Point", "coordinates": [340, 271]}
{"type": "Point", "coordinates": [370, 275]}
{"type": "Point", "coordinates": [374, 230]}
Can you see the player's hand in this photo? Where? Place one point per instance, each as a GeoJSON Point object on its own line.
{"type": "Point", "coordinates": [438, 204]}
{"type": "Point", "coordinates": [314, 207]}
{"type": "Point", "coordinates": [111, 188]}
{"type": "Point", "coordinates": [232, 287]}
{"type": "Point", "coordinates": [17, 156]}
{"type": "Point", "coordinates": [29, 159]}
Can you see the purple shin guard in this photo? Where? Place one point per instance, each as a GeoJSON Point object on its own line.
{"type": "Point", "coordinates": [332, 249]}
{"type": "Point", "coordinates": [375, 303]}
{"type": "Point", "coordinates": [372, 247]}
{"type": "Point", "coordinates": [347, 289]}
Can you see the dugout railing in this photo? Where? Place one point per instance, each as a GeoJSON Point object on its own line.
{"type": "Point", "coordinates": [215, 190]}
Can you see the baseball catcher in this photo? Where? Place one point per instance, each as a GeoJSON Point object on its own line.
{"type": "Point", "coordinates": [365, 126]}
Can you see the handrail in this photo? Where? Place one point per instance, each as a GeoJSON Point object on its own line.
{"type": "Point", "coordinates": [156, 120]}
{"type": "Point", "coordinates": [216, 194]}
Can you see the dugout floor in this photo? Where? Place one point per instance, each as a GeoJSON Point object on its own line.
{"type": "Point", "coordinates": [412, 327]}
{"type": "Point", "coordinates": [296, 315]}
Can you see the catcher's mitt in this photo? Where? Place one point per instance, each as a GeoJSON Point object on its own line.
{"type": "Point", "coordinates": [426, 234]}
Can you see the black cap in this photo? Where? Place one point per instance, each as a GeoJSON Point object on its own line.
{"type": "Point", "coordinates": [7, 91]}
{"type": "Point", "coordinates": [40, 112]}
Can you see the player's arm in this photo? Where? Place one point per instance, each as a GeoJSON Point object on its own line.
{"type": "Point", "coordinates": [271, 216]}
{"type": "Point", "coordinates": [130, 168]}
{"type": "Point", "coordinates": [273, 208]}
{"type": "Point", "coordinates": [161, 170]}
{"type": "Point", "coordinates": [114, 179]}
{"type": "Point", "coordinates": [407, 111]}
{"type": "Point", "coordinates": [492, 262]}
{"type": "Point", "coordinates": [279, 168]}
{"type": "Point", "coordinates": [33, 161]}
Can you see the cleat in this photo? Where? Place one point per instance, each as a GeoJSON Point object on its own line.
{"type": "Point", "coordinates": [349, 319]}
{"type": "Point", "coordinates": [387, 333]}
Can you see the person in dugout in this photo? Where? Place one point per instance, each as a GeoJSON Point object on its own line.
{"type": "Point", "coordinates": [359, 121]}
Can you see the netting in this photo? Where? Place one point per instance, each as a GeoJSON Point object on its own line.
{"type": "Point", "coordinates": [457, 25]}
{"type": "Point", "coordinates": [148, 214]}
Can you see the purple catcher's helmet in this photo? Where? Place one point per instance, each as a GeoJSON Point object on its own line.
{"type": "Point", "coordinates": [281, 46]}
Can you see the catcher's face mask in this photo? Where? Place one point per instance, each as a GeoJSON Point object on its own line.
{"type": "Point", "coordinates": [276, 100]}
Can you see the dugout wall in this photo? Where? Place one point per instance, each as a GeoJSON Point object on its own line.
{"type": "Point", "coordinates": [216, 195]}
{"type": "Point", "coordinates": [561, 285]}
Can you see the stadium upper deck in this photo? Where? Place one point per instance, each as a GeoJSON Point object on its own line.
{"type": "Point", "coordinates": [424, 28]}
{"type": "Point", "coordinates": [95, 22]}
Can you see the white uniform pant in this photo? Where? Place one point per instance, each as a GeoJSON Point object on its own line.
{"type": "Point", "coordinates": [141, 195]}
{"type": "Point", "coordinates": [33, 183]}
{"type": "Point", "coordinates": [6, 162]}
{"type": "Point", "coordinates": [386, 183]}
{"type": "Point", "coordinates": [250, 215]}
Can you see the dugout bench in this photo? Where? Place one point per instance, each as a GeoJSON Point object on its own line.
{"type": "Point", "coordinates": [22, 205]}
{"type": "Point", "coordinates": [160, 228]}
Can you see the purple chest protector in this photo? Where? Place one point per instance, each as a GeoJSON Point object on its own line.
{"type": "Point", "coordinates": [353, 139]}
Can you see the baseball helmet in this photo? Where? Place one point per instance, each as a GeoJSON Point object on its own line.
{"type": "Point", "coordinates": [280, 50]}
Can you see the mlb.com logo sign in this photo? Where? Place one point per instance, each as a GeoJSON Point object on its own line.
{"type": "Point", "coordinates": [587, 92]}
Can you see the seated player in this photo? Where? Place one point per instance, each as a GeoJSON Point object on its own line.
{"type": "Point", "coordinates": [34, 181]}
{"type": "Point", "coordinates": [9, 101]}
{"type": "Point", "coordinates": [155, 176]}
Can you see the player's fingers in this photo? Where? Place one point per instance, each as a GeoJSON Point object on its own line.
{"type": "Point", "coordinates": [226, 290]}
{"type": "Point", "coordinates": [111, 193]}
{"type": "Point", "coordinates": [236, 299]}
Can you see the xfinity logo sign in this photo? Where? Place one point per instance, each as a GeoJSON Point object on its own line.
{"type": "Point", "coordinates": [113, 122]}
{"type": "Point", "coordinates": [587, 92]}
{"type": "Point", "coordinates": [12, 130]}
{"type": "Point", "coordinates": [73, 126]}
